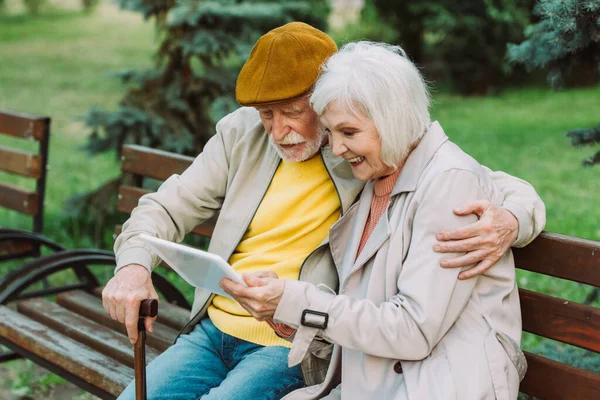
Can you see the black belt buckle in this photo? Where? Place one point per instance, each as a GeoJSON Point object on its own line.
{"type": "Point", "coordinates": [304, 322]}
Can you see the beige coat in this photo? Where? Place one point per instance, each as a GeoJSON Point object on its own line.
{"type": "Point", "coordinates": [403, 327]}
{"type": "Point", "coordinates": [229, 179]}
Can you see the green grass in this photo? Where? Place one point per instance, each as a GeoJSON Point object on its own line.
{"type": "Point", "coordinates": [58, 63]}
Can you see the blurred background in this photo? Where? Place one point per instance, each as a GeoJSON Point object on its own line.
{"type": "Point", "coordinates": [514, 82]}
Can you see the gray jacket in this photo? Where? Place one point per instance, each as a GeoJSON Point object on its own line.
{"type": "Point", "coordinates": [403, 327]}
{"type": "Point", "coordinates": [229, 179]}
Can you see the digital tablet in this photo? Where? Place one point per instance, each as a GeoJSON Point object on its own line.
{"type": "Point", "coordinates": [197, 267]}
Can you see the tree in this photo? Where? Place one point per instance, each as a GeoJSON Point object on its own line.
{"type": "Point", "coordinates": [566, 43]}
{"type": "Point", "coordinates": [203, 44]}
{"type": "Point", "coordinates": [467, 37]}
{"type": "Point", "coordinates": [175, 105]}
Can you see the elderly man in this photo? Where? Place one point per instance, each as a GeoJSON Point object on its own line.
{"type": "Point", "coordinates": [270, 175]}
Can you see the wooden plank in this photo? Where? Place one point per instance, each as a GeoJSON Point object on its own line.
{"type": "Point", "coordinates": [72, 356]}
{"type": "Point", "coordinates": [128, 198]}
{"type": "Point", "coordinates": [20, 162]}
{"type": "Point", "coordinates": [562, 256]}
{"type": "Point", "coordinates": [23, 125]}
{"type": "Point", "coordinates": [130, 195]}
{"type": "Point", "coordinates": [549, 379]}
{"type": "Point", "coordinates": [168, 314]}
{"type": "Point", "coordinates": [98, 337]}
{"type": "Point", "coordinates": [18, 199]}
{"type": "Point", "coordinates": [16, 248]}
{"type": "Point", "coordinates": [562, 320]}
{"type": "Point", "coordinates": [86, 304]}
{"type": "Point", "coordinates": [157, 164]}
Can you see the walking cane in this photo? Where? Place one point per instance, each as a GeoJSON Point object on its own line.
{"type": "Point", "coordinates": [148, 308]}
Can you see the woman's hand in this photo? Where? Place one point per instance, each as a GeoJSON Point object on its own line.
{"type": "Point", "coordinates": [485, 241]}
{"type": "Point", "coordinates": [262, 295]}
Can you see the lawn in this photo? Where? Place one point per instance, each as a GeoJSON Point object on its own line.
{"type": "Point", "coordinates": [58, 64]}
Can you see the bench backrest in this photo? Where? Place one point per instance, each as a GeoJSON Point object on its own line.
{"type": "Point", "coordinates": [550, 254]}
{"type": "Point", "coordinates": [25, 164]}
{"type": "Point", "coordinates": [573, 259]}
{"type": "Point", "coordinates": [143, 162]}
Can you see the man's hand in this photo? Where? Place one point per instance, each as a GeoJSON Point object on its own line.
{"type": "Point", "coordinates": [484, 241]}
{"type": "Point", "coordinates": [123, 294]}
{"type": "Point", "coordinates": [262, 295]}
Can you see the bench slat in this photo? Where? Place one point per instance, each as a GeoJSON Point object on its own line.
{"type": "Point", "coordinates": [168, 314]}
{"type": "Point", "coordinates": [23, 125]}
{"type": "Point", "coordinates": [92, 334]}
{"type": "Point", "coordinates": [15, 248]}
{"type": "Point", "coordinates": [562, 256]}
{"type": "Point", "coordinates": [91, 307]}
{"type": "Point", "coordinates": [562, 320]}
{"type": "Point", "coordinates": [153, 163]}
{"type": "Point", "coordinates": [128, 200]}
{"type": "Point", "coordinates": [20, 162]}
{"type": "Point", "coordinates": [19, 199]}
{"type": "Point", "coordinates": [549, 379]}
{"type": "Point", "coordinates": [100, 371]}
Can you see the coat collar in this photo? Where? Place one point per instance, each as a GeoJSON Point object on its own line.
{"type": "Point", "coordinates": [419, 159]}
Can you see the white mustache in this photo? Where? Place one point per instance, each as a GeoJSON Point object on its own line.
{"type": "Point", "coordinates": [292, 138]}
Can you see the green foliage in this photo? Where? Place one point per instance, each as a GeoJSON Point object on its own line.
{"type": "Point", "coordinates": [586, 137]}
{"type": "Point", "coordinates": [370, 26]}
{"type": "Point", "coordinates": [466, 37]}
{"type": "Point", "coordinates": [566, 43]}
{"type": "Point", "coordinates": [89, 5]}
{"type": "Point", "coordinates": [203, 44]}
{"type": "Point", "coordinates": [571, 355]}
{"type": "Point", "coordinates": [33, 6]}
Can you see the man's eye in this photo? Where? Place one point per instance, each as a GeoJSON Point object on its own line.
{"type": "Point", "coordinates": [348, 133]}
{"type": "Point", "coordinates": [266, 114]}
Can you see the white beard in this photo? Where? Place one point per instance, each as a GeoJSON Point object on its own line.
{"type": "Point", "coordinates": [310, 147]}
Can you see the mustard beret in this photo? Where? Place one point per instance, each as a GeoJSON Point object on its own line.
{"type": "Point", "coordinates": [283, 64]}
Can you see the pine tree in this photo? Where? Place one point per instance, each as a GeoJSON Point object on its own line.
{"type": "Point", "coordinates": [466, 37]}
{"type": "Point", "coordinates": [176, 105]}
{"type": "Point", "coordinates": [566, 43]}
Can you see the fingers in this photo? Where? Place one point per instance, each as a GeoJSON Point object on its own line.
{"type": "Point", "coordinates": [461, 246]}
{"type": "Point", "coordinates": [149, 321]}
{"type": "Point", "coordinates": [473, 207]}
{"type": "Point", "coordinates": [234, 289]}
{"type": "Point", "coordinates": [149, 324]}
{"type": "Point", "coordinates": [464, 260]}
{"type": "Point", "coordinates": [264, 274]}
{"type": "Point", "coordinates": [477, 270]}
{"type": "Point", "coordinates": [464, 232]}
{"type": "Point", "coordinates": [132, 315]}
{"type": "Point", "coordinates": [253, 280]}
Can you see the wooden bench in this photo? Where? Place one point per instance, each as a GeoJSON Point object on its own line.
{"type": "Point", "coordinates": [75, 338]}
{"type": "Point", "coordinates": [19, 244]}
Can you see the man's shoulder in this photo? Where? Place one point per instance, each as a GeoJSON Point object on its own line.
{"type": "Point", "coordinates": [244, 119]}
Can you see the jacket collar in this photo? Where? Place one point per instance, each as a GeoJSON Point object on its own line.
{"type": "Point", "coordinates": [419, 158]}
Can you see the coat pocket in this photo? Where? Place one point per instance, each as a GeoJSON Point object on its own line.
{"type": "Point", "coordinates": [505, 372]}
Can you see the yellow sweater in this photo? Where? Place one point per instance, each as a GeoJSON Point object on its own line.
{"type": "Point", "coordinates": [293, 218]}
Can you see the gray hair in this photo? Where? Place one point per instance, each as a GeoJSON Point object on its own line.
{"type": "Point", "coordinates": [385, 85]}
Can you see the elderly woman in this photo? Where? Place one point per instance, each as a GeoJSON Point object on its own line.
{"type": "Point", "coordinates": [403, 328]}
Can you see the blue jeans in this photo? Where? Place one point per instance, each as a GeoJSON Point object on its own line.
{"type": "Point", "coordinates": [209, 364]}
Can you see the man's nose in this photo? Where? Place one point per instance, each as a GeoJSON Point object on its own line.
{"type": "Point", "coordinates": [279, 129]}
